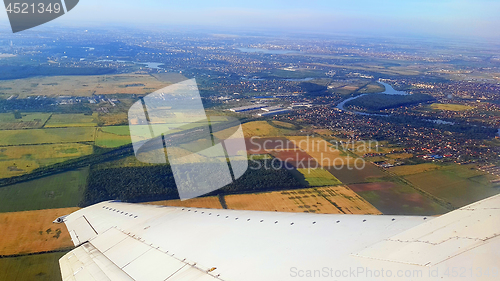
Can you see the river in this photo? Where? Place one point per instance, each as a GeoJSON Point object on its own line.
{"type": "Point", "coordinates": [389, 90]}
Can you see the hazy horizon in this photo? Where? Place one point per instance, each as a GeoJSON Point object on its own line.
{"type": "Point", "coordinates": [450, 18]}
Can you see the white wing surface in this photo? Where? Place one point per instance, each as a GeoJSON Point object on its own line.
{"type": "Point", "coordinates": [120, 241]}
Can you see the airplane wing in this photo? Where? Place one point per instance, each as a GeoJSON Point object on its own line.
{"type": "Point", "coordinates": [121, 241]}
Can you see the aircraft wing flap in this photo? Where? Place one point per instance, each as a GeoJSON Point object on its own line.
{"type": "Point", "coordinates": [129, 245]}
{"type": "Point", "coordinates": [81, 230]}
{"type": "Point", "coordinates": [154, 265]}
{"type": "Point", "coordinates": [108, 239]}
{"type": "Point", "coordinates": [116, 255]}
{"type": "Point", "coordinates": [418, 253]}
{"type": "Point", "coordinates": [444, 237]}
{"type": "Point", "coordinates": [86, 263]}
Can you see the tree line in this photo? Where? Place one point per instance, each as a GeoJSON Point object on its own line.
{"type": "Point", "coordinates": [375, 102]}
{"type": "Point", "coordinates": [152, 183]}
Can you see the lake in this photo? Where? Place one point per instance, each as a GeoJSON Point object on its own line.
{"type": "Point", "coordinates": [152, 65]}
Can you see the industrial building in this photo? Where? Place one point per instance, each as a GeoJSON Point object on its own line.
{"type": "Point", "coordinates": [248, 107]}
{"type": "Point", "coordinates": [275, 112]}
{"type": "Point", "coordinates": [272, 108]}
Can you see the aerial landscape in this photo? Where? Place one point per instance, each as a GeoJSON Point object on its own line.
{"type": "Point", "coordinates": [333, 124]}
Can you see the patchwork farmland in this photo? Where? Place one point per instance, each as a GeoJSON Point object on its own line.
{"type": "Point", "coordinates": [324, 200]}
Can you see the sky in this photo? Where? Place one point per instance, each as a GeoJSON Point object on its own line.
{"type": "Point", "coordinates": [450, 18]}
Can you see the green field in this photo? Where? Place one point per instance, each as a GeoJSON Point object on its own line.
{"type": "Point", "coordinates": [50, 135]}
{"type": "Point", "coordinates": [397, 199]}
{"type": "Point", "coordinates": [110, 140]}
{"type": "Point", "coordinates": [27, 121]}
{"type": "Point", "coordinates": [458, 185]}
{"type": "Point", "coordinates": [56, 191]}
{"type": "Point", "coordinates": [319, 177]}
{"type": "Point", "coordinates": [117, 130]}
{"type": "Point", "coordinates": [72, 120]}
{"type": "Point", "coordinates": [42, 267]}
{"type": "Point", "coordinates": [371, 88]}
{"type": "Point", "coordinates": [450, 107]}
{"type": "Point", "coordinates": [406, 170]}
{"type": "Point", "coordinates": [349, 176]}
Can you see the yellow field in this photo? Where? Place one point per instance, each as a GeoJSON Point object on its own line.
{"type": "Point", "coordinates": [350, 88]}
{"type": "Point", "coordinates": [319, 177]}
{"type": "Point", "coordinates": [413, 169]}
{"type": "Point", "coordinates": [399, 155]}
{"type": "Point", "coordinates": [262, 129]}
{"type": "Point", "coordinates": [17, 160]}
{"type": "Point", "coordinates": [283, 124]}
{"type": "Point", "coordinates": [450, 107]}
{"type": "Point", "coordinates": [323, 132]}
{"type": "Point", "coordinates": [377, 159]}
{"type": "Point", "coordinates": [324, 200]}
{"type": "Point", "coordinates": [371, 88]}
{"type": "Point", "coordinates": [11, 168]}
{"type": "Point", "coordinates": [321, 150]}
{"type": "Point", "coordinates": [200, 202]}
{"type": "Point", "coordinates": [33, 231]}
{"type": "Point", "coordinates": [82, 85]}
{"type": "Point", "coordinates": [46, 151]}
{"type": "Point", "coordinates": [119, 118]}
